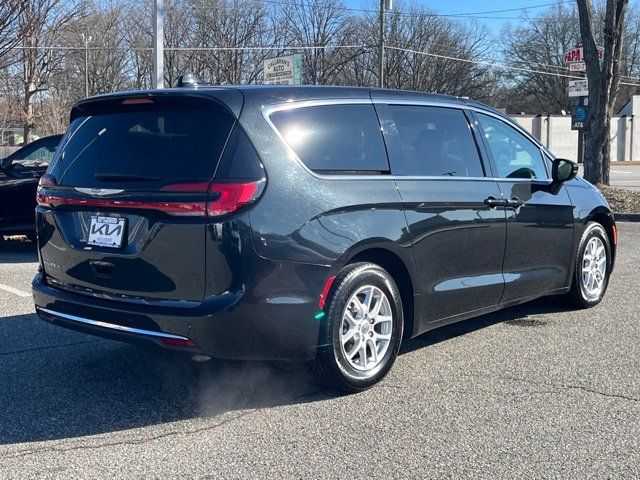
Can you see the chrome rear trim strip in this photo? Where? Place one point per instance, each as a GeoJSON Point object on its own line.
{"type": "Point", "coordinates": [111, 326]}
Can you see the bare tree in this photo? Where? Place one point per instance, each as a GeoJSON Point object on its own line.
{"type": "Point", "coordinates": [106, 65]}
{"type": "Point", "coordinates": [537, 45]}
{"type": "Point", "coordinates": [630, 64]}
{"type": "Point", "coordinates": [138, 37]}
{"type": "Point", "coordinates": [232, 25]}
{"type": "Point", "coordinates": [427, 53]}
{"type": "Point", "coordinates": [324, 24]}
{"type": "Point", "coordinates": [42, 25]}
{"type": "Point", "coordinates": [10, 10]}
{"type": "Point", "coordinates": [604, 82]}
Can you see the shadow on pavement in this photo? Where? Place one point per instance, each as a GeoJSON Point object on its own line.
{"type": "Point", "coordinates": [85, 386]}
{"type": "Point", "coordinates": [519, 316]}
{"type": "Point", "coordinates": [89, 386]}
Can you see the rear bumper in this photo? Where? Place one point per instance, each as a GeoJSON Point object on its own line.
{"type": "Point", "coordinates": [231, 325]}
{"type": "Point", "coordinates": [114, 331]}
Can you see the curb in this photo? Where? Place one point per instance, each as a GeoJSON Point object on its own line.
{"type": "Point", "coordinates": [627, 217]}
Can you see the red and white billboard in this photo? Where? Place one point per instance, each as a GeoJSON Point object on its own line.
{"type": "Point", "coordinates": [577, 55]}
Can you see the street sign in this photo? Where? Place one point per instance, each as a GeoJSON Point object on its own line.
{"type": "Point", "coordinates": [285, 70]}
{"type": "Point", "coordinates": [578, 88]}
{"type": "Point", "coordinates": [577, 55]}
{"type": "Point", "coordinates": [578, 117]}
{"type": "Point", "coordinates": [577, 67]}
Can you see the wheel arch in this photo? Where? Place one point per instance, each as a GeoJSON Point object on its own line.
{"type": "Point", "coordinates": [604, 217]}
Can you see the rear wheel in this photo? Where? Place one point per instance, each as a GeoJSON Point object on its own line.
{"type": "Point", "coordinates": [592, 268]}
{"type": "Point", "coordinates": [362, 331]}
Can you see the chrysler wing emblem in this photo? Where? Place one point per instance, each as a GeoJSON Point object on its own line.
{"type": "Point", "coordinates": [98, 192]}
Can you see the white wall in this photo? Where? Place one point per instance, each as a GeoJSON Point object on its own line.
{"type": "Point", "coordinates": [554, 131]}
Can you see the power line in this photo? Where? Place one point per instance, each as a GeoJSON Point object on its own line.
{"type": "Point", "coordinates": [329, 46]}
{"type": "Point", "coordinates": [196, 49]}
{"type": "Point", "coordinates": [500, 65]}
{"type": "Point", "coordinates": [515, 9]}
{"type": "Point", "coordinates": [396, 12]}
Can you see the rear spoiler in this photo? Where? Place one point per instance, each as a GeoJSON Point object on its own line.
{"type": "Point", "coordinates": [230, 98]}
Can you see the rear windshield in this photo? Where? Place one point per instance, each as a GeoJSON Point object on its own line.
{"type": "Point", "coordinates": [143, 146]}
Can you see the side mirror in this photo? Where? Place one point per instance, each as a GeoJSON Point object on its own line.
{"type": "Point", "coordinates": [563, 170]}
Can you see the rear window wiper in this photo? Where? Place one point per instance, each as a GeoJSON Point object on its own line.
{"type": "Point", "coordinates": [124, 177]}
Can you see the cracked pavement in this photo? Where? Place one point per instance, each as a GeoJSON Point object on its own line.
{"type": "Point", "coordinates": [533, 391]}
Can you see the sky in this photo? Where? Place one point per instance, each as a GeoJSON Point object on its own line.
{"type": "Point", "coordinates": [472, 6]}
{"type": "Point", "coordinates": [495, 21]}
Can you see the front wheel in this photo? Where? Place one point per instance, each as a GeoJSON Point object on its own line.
{"type": "Point", "coordinates": [592, 268]}
{"type": "Point", "coordinates": [362, 331]}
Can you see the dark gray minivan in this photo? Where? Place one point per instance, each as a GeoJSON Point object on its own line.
{"type": "Point", "coordinates": [321, 224]}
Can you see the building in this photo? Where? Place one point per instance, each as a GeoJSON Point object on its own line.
{"type": "Point", "coordinates": [555, 132]}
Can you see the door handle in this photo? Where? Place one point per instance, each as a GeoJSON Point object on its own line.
{"type": "Point", "coordinates": [515, 202]}
{"type": "Point", "coordinates": [493, 202]}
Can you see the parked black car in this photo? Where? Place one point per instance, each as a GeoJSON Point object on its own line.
{"type": "Point", "coordinates": [309, 223]}
{"type": "Point", "coordinates": [19, 175]}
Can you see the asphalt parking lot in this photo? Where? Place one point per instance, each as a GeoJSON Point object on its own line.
{"type": "Point", "coordinates": [534, 391]}
{"type": "Point", "coordinates": [624, 175]}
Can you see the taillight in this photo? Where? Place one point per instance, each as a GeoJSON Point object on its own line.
{"type": "Point", "coordinates": [47, 180]}
{"type": "Point", "coordinates": [229, 197]}
{"type": "Point", "coordinates": [224, 198]}
{"type": "Point", "coordinates": [179, 209]}
{"type": "Point", "coordinates": [186, 187]}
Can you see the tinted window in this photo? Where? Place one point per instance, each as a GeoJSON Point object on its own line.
{"type": "Point", "coordinates": [430, 141]}
{"type": "Point", "coordinates": [334, 138]}
{"type": "Point", "coordinates": [143, 147]}
{"type": "Point", "coordinates": [38, 154]}
{"type": "Point", "coordinates": [240, 160]}
{"type": "Point", "coordinates": [514, 154]}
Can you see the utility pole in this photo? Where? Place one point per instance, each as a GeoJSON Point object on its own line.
{"type": "Point", "coordinates": [158, 33]}
{"type": "Point", "coordinates": [384, 5]}
{"type": "Point", "coordinates": [381, 46]}
{"type": "Point", "coordinates": [86, 40]}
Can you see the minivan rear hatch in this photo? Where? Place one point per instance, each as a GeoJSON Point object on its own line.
{"type": "Point", "coordinates": [122, 209]}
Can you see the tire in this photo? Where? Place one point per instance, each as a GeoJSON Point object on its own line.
{"type": "Point", "coordinates": [580, 295]}
{"type": "Point", "coordinates": [339, 361]}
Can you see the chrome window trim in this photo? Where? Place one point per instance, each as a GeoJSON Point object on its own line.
{"type": "Point", "coordinates": [267, 110]}
{"type": "Point", "coordinates": [111, 326]}
{"type": "Point", "coordinates": [420, 103]}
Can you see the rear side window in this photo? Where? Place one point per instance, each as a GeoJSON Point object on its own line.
{"type": "Point", "coordinates": [143, 146]}
{"type": "Point", "coordinates": [334, 138]}
{"type": "Point", "coordinates": [430, 141]}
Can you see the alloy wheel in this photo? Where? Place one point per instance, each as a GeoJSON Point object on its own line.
{"type": "Point", "coordinates": [594, 268]}
{"type": "Point", "coordinates": [365, 331]}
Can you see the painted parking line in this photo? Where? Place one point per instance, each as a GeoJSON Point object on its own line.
{"type": "Point", "coordinates": [15, 291]}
